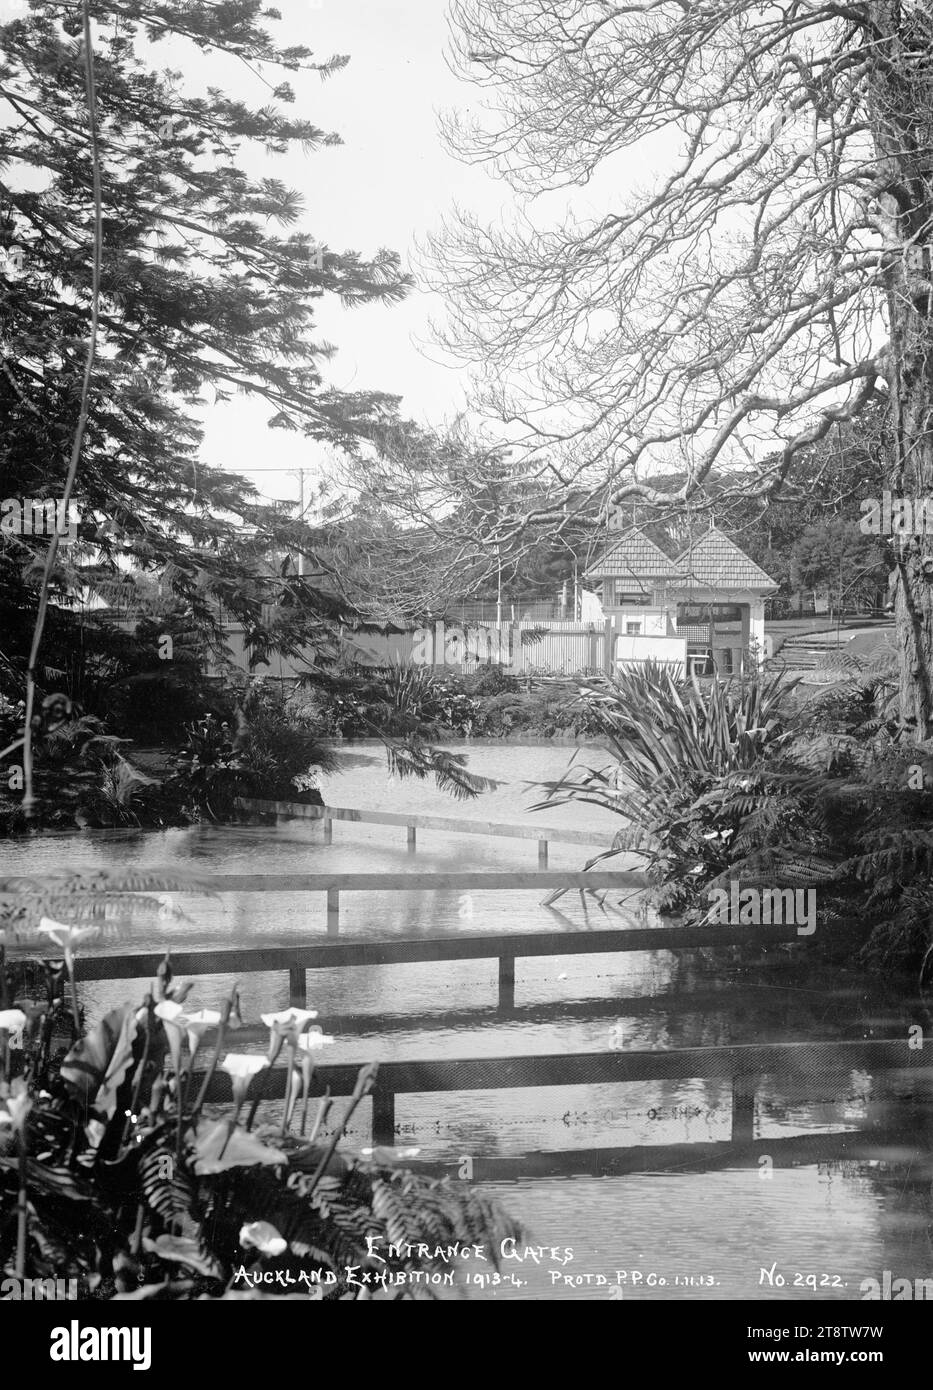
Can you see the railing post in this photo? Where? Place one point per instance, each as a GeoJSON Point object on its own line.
{"type": "Point", "coordinates": [297, 991]}
{"type": "Point", "coordinates": [383, 1115]}
{"type": "Point", "coordinates": [333, 911]}
{"type": "Point", "coordinates": [506, 983]}
{"type": "Point", "coordinates": [412, 839]}
{"type": "Point", "coordinates": [542, 854]}
{"type": "Point", "coordinates": [328, 828]}
{"type": "Point", "coordinates": [743, 1108]}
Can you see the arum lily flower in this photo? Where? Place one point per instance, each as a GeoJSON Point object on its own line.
{"type": "Point", "coordinates": [13, 1021]}
{"type": "Point", "coordinates": [95, 1131]}
{"type": "Point", "coordinates": [18, 1105]}
{"type": "Point", "coordinates": [193, 1025]}
{"type": "Point", "coordinates": [263, 1236]}
{"type": "Point", "coordinates": [313, 1040]}
{"type": "Point", "coordinates": [241, 1067]}
{"type": "Point", "coordinates": [285, 1026]}
{"type": "Point", "coordinates": [304, 1067]}
{"type": "Point", "coordinates": [168, 1011]}
{"type": "Point", "coordinates": [289, 1018]}
{"type": "Point", "coordinates": [67, 937]}
{"type": "Point", "coordinates": [172, 1015]}
{"type": "Point", "coordinates": [196, 1025]}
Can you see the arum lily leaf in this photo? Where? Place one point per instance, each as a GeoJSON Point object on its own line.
{"type": "Point", "coordinates": [95, 1067]}
{"type": "Point", "coordinates": [182, 1250]}
{"type": "Point", "coordinates": [162, 1291]}
{"type": "Point", "coordinates": [218, 1149]}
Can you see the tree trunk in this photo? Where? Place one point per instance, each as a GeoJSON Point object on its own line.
{"type": "Point", "coordinates": [902, 127]}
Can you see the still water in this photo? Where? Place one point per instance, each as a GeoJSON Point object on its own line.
{"type": "Point", "coordinates": [823, 1220]}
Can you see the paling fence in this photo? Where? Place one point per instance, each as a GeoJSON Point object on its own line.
{"type": "Point", "coordinates": [522, 648]}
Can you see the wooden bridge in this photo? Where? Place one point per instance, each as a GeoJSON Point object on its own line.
{"type": "Point", "coordinates": [506, 947]}
{"type": "Point", "coordinates": [743, 1067]}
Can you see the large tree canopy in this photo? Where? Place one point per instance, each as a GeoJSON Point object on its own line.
{"type": "Point", "coordinates": [209, 277]}
{"type": "Point", "coordinates": [771, 279]}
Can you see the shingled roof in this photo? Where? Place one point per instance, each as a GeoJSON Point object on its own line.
{"type": "Point", "coordinates": [715, 562]}
{"type": "Point", "coordinates": [632, 556]}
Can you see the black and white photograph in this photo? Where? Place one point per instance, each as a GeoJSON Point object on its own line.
{"type": "Point", "coordinates": [466, 668]}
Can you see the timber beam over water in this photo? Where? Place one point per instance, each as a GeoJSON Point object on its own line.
{"type": "Point", "coordinates": [744, 1066]}
{"type": "Point", "coordinates": [504, 947]}
{"type": "Point", "coordinates": [448, 825]}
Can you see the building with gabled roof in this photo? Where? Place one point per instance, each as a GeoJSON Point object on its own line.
{"type": "Point", "coordinates": [704, 608]}
{"type": "Point", "coordinates": [633, 556]}
{"type": "Point", "coordinates": [715, 562]}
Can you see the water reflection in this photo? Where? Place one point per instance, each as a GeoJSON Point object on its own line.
{"type": "Point", "coordinates": [845, 1193]}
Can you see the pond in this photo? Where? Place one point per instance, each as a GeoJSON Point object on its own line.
{"type": "Point", "coordinates": [823, 1217]}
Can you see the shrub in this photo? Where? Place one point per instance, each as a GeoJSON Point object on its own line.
{"type": "Point", "coordinates": [691, 766]}
{"type": "Point", "coordinates": [113, 1170]}
{"type": "Point", "coordinates": [153, 706]}
{"type": "Point", "coordinates": [276, 752]}
{"type": "Point", "coordinates": [736, 782]}
{"type": "Point", "coordinates": [492, 680]}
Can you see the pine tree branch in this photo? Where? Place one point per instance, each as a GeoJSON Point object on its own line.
{"type": "Point", "coordinates": [78, 440]}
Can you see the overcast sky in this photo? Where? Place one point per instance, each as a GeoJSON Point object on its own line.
{"type": "Point", "coordinates": [387, 185]}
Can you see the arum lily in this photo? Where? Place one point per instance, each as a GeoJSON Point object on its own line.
{"type": "Point", "coordinates": [168, 1010]}
{"type": "Point", "coordinates": [196, 1025]}
{"type": "Point", "coordinates": [305, 1065]}
{"type": "Point", "coordinates": [241, 1067]}
{"type": "Point", "coordinates": [262, 1236]}
{"type": "Point", "coordinates": [172, 1015]}
{"type": "Point", "coordinates": [285, 1026]}
{"type": "Point", "coordinates": [289, 1018]}
{"type": "Point", "coordinates": [289, 1027]}
{"type": "Point", "coordinates": [323, 1110]}
{"type": "Point", "coordinates": [310, 1042]}
{"type": "Point", "coordinates": [13, 1021]}
{"type": "Point", "coordinates": [173, 1018]}
{"type": "Point", "coordinates": [67, 938]}
{"type": "Point", "coordinates": [95, 1131]}
{"type": "Point", "coordinates": [18, 1105]}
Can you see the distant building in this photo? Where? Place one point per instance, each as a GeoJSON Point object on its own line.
{"type": "Point", "coordinates": [704, 609]}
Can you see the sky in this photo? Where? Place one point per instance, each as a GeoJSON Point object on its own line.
{"type": "Point", "coordinates": [386, 186]}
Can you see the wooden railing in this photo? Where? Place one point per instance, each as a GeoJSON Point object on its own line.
{"type": "Point", "coordinates": [504, 947]}
{"type": "Point", "coordinates": [544, 834]}
{"type": "Point", "coordinates": [333, 884]}
{"type": "Point", "coordinates": [744, 1066]}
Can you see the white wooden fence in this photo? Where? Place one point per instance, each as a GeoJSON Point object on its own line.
{"type": "Point", "coordinates": [522, 648]}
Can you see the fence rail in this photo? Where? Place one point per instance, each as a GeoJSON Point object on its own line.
{"type": "Point", "coordinates": [504, 947]}
{"type": "Point", "coordinates": [566, 646]}
{"type": "Point", "coordinates": [743, 1065]}
{"type": "Point", "coordinates": [333, 884]}
{"type": "Point", "coordinates": [544, 834]}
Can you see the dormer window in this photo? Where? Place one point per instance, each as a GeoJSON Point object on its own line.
{"type": "Point", "coordinates": [624, 596]}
